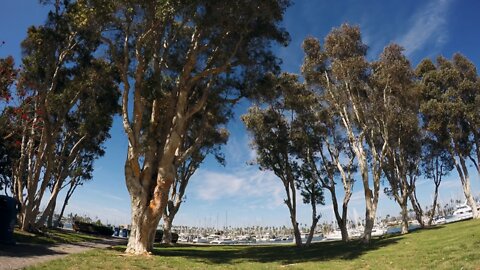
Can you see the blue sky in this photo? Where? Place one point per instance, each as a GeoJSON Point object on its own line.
{"type": "Point", "coordinates": [239, 194]}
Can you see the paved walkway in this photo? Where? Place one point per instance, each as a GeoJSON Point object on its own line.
{"type": "Point", "coordinates": [22, 254]}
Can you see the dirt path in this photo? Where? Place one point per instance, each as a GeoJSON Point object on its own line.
{"type": "Point", "coordinates": [22, 254]}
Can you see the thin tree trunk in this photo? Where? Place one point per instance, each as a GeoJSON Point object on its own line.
{"type": "Point", "coordinates": [50, 216]}
{"type": "Point", "coordinates": [434, 206]}
{"type": "Point", "coordinates": [296, 232]}
{"type": "Point", "coordinates": [167, 230]}
{"type": "Point", "coordinates": [370, 205]}
{"type": "Point", "coordinates": [341, 220]}
{"type": "Point", "coordinates": [70, 191]}
{"type": "Point", "coordinates": [404, 212]}
{"type": "Point", "coordinates": [416, 207]}
{"type": "Point", "coordinates": [50, 208]}
{"type": "Point", "coordinates": [465, 179]}
{"type": "Point", "coordinates": [369, 223]}
{"type": "Point", "coordinates": [291, 204]}
{"type": "Point", "coordinates": [315, 219]}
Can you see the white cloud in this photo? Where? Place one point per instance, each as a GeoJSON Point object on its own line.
{"type": "Point", "coordinates": [428, 27]}
{"type": "Point", "coordinates": [260, 188]}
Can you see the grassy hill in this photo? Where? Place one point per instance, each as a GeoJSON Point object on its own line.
{"type": "Point", "coordinates": [453, 246]}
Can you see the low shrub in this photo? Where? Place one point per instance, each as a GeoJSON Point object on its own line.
{"type": "Point", "coordinates": [92, 228]}
{"type": "Point", "coordinates": [159, 236]}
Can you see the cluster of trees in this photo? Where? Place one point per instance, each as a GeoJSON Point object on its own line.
{"type": "Point", "coordinates": [178, 67]}
{"type": "Point", "coordinates": [173, 70]}
{"type": "Point", "coordinates": [377, 121]}
{"type": "Point", "coordinates": [57, 112]}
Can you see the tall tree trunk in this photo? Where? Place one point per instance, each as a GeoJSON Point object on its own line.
{"type": "Point", "coordinates": [315, 219]}
{"type": "Point", "coordinates": [434, 206]}
{"type": "Point", "coordinates": [404, 212]}
{"type": "Point", "coordinates": [71, 189]}
{"type": "Point", "coordinates": [417, 208]}
{"type": "Point", "coordinates": [147, 208]}
{"type": "Point", "coordinates": [50, 208]}
{"type": "Point", "coordinates": [28, 218]}
{"type": "Point", "coordinates": [465, 179]}
{"type": "Point", "coordinates": [341, 219]}
{"type": "Point", "coordinates": [370, 203]}
{"type": "Point", "coordinates": [50, 216]}
{"type": "Point", "coordinates": [167, 230]}
{"type": "Point", "coordinates": [143, 227]}
{"type": "Point", "coordinates": [296, 232]}
{"type": "Point", "coordinates": [369, 223]}
{"type": "Point", "coordinates": [140, 240]}
{"type": "Point", "coordinates": [292, 208]}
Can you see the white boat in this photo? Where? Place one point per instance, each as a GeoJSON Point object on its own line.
{"type": "Point", "coordinates": [378, 231]}
{"type": "Point", "coordinates": [182, 239]}
{"type": "Point", "coordinates": [264, 238]}
{"type": "Point", "coordinates": [335, 235]}
{"type": "Point", "coordinates": [439, 220]}
{"type": "Point", "coordinates": [200, 240]}
{"type": "Point", "coordinates": [462, 212]}
{"type": "Point", "coordinates": [223, 241]}
{"type": "Point", "coordinates": [245, 239]}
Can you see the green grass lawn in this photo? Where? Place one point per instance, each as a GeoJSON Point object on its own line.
{"type": "Point", "coordinates": [52, 237]}
{"type": "Point", "coordinates": [454, 246]}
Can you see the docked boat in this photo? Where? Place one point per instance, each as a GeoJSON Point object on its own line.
{"type": "Point", "coordinates": [462, 212]}
{"type": "Point", "coordinates": [378, 231]}
{"type": "Point", "coordinates": [200, 240]}
{"type": "Point", "coordinates": [183, 238]}
{"type": "Point", "coordinates": [335, 235]}
{"type": "Point", "coordinates": [223, 241]}
{"type": "Point", "coordinates": [245, 239]}
{"type": "Point", "coordinates": [287, 238]}
{"type": "Point", "coordinates": [439, 220]}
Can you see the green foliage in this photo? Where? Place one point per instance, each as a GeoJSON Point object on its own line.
{"type": "Point", "coordinates": [284, 134]}
{"type": "Point", "coordinates": [92, 228]}
{"type": "Point", "coordinates": [8, 141]}
{"type": "Point", "coordinates": [450, 91]}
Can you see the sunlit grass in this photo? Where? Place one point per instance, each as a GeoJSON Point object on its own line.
{"type": "Point", "coordinates": [454, 246]}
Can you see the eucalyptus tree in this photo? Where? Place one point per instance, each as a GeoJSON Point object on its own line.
{"type": "Point", "coordinates": [469, 90]}
{"type": "Point", "coordinates": [325, 153]}
{"type": "Point", "coordinates": [81, 173]}
{"type": "Point", "coordinates": [394, 111]}
{"type": "Point", "coordinates": [273, 139]}
{"type": "Point", "coordinates": [436, 163]}
{"type": "Point", "coordinates": [8, 149]}
{"type": "Point", "coordinates": [339, 72]}
{"type": "Point", "coordinates": [334, 163]}
{"type": "Point", "coordinates": [164, 51]}
{"type": "Point", "coordinates": [449, 93]}
{"type": "Point", "coordinates": [59, 72]}
{"type": "Point", "coordinates": [307, 135]}
{"type": "Point", "coordinates": [8, 75]}
{"type": "Point", "coordinates": [208, 128]}
{"type": "Point", "coordinates": [84, 129]}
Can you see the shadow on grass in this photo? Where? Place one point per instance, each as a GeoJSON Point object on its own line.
{"type": "Point", "coordinates": [425, 229]}
{"type": "Point", "coordinates": [50, 243]}
{"type": "Point", "coordinates": [28, 250]}
{"type": "Point", "coordinates": [52, 236]}
{"type": "Point", "coordinates": [283, 254]}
